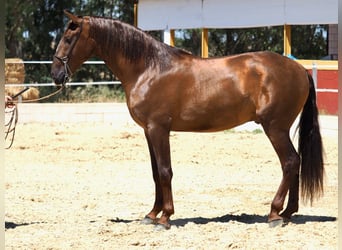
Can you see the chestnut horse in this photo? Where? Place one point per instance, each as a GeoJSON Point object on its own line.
{"type": "Point", "coordinates": [168, 89]}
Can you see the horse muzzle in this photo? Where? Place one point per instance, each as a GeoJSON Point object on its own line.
{"type": "Point", "coordinates": [60, 70]}
{"type": "Point", "coordinates": [59, 76]}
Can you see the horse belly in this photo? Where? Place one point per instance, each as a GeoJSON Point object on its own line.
{"type": "Point", "coordinates": [211, 118]}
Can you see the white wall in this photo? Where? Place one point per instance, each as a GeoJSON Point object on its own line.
{"type": "Point", "coordinates": [186, 14]}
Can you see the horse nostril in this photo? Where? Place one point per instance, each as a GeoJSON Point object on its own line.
{"type": "Point", "coordinates": [58, 77]}
{"type": "Point", "coordinates": [53, 75]}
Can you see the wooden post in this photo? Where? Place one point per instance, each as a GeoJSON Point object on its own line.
{"type": "Point", "coordinates": [172, 38]}
{"type": "Point", "coordinates": [204, 49]}
{"type": "Point", "coordinates": [287, 40]}
{"type": "Point", "coordinates": [136, 13]}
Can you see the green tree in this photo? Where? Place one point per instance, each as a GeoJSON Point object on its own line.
{"type": "Point", "coordinates": [308, 41]}
{"type": "Point", "coordinates": [31, 30]}
{"type": "Point", "coordinates": [234, 41]}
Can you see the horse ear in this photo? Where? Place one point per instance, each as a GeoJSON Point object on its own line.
{"type": "Point", "coordinates": [75, 19]}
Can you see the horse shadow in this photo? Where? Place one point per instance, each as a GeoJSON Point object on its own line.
{"type": "Point", "coordinates": [242, 218]}
{"type": "Point", "coordinates": [250, 219]}
{"type": "Point", "coordinates": [13, 225]}
{"type": "Point", "coordinates": [181, 222]}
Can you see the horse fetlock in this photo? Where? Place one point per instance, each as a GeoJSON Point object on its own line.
{"type": "Point", "coordinates": [288, 212]}
{"type": "Point", "coordinates": [164, 222]}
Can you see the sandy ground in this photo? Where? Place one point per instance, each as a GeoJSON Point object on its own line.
{"type": "Point", "coordinates": [87, 185]}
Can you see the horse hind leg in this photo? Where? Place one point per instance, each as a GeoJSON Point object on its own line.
{"type": "Point", "coordinates": [290, 163]}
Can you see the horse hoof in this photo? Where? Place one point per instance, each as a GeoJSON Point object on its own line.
{"type": "Point", "coordinates": [147, 221]}
{"type": "Point", "coordinates": [276, 223]}
{"type": "Point", "coordinates": [162, 227]}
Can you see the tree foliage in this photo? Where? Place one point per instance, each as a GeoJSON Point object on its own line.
{"type": "Point", "coordinates": [308, 41]}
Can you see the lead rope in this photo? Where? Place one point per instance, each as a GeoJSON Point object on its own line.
{"type": "Point", "coordinates": [11, 116]}
{"type": "Point", "coordinates": [10, 124]}
{"type": "Point", "coordinates": [44, 97]}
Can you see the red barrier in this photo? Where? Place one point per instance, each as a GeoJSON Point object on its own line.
{"type": "Point", "coordinates": [327, 91]}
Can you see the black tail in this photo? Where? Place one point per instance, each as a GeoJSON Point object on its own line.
{"type": "Point", "coordinates": [310, 148]}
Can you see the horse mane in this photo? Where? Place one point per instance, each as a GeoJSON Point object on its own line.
{"type": "Point", "coordinates": [132, 42]}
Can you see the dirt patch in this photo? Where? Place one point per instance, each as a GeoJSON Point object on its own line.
{"type": "Point", "coordinates": [87, 185]}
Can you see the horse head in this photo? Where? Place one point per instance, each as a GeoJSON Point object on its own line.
{"type": "Point", "coordinates": [73, 49]}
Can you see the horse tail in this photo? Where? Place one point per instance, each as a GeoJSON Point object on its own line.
{"type": "Point", "coordinates": [310, 148]}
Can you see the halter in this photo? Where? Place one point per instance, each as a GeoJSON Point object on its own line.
{"type": "Point", "coordinates": [65, 59]}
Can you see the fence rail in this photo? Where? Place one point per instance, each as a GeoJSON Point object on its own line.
{"type": "Point", "coordinates": [50, 62]}
{"type": "Point", "coordinates": [67, 84]}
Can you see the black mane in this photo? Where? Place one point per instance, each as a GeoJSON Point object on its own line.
{"type": "Point", "coordinates": [133, 43]}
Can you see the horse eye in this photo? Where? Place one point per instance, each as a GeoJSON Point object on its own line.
{"type": "Point", "coordinates": [73, 26]}
{"type": "Point", "coordinates": [68, 40]}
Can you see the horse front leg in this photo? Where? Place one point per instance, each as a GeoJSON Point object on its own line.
{"type": "Point", "coordinates": [159, 146]}
{"type": "Point", "coordinates": [151, 217]}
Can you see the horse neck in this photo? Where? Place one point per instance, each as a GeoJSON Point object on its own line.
{"type": "Point", "coordinates": [117, 63]}
{"type": "Point", "coordinates": [126, 72]}
{"type": "Point", "coordinates": [126, 51]}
